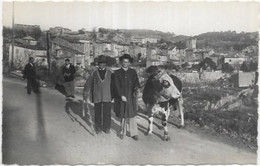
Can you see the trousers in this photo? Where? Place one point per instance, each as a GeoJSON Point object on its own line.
{"type": "Point", "coordinates": [131, 126]}
{"type": "Point", "coordinates": [69, 87]}
{"type": "Point", "coordinates": [32, 84]}
{"type": "Point", "coordinates": [102, 116]}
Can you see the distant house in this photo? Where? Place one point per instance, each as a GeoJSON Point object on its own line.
{"type": "Point", "coordinates": [108, 53]}
{"type": "Point", "coordinates": [23, 52]}
{"type": "Point", "coordinates": [154, 58]}
{"type": "Point", "coordinates": [29, 40]}
{"type": "Point", "coordinates": [77, 51]}
{"type": "Point", "coordinates": [136, 39]}
{"type": "Point", "coordinates": [59, 30]}
{"type": "Point", "coordinates": [144, 40]}
{"type": "Point", "coordinates": [191, 44]}
{"type": "Point", "coordinates": [242, 79]}
{"type": "Point", "coordinates": [234, 60]}
{"type": "Point", "coordinates": [150, 40]}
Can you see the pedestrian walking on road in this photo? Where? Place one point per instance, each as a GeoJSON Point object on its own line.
{"type": "Point", "coordinates": [68, 72]}
{"type": "Point", "coordinates": [126, 92]}
{"type": "Point", "coordinates": [98, 89]}
{"type": "Point", "coordinates": [30, 75]}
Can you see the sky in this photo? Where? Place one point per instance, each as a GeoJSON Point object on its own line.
{"type": "Point", "coordinates": [181, 18]}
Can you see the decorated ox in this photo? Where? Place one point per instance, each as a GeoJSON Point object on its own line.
{"type": "Point", "coordinates": [160, 92]}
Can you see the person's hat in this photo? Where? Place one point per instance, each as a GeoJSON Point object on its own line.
{"type": "Point", "coordinates": [126, 56]}
{"type": "Point", "coordinates": [102, 59]}
{"type": "Point", "coordinates": [152, 70]}
{"type": "Point", "coordinates": [67, 60]}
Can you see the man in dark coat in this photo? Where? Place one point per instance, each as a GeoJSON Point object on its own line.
{"type": "Point", "coordinates": [30, 75]}
{"type": "Point", "coordinates": [98, 89]}
{"type": "Point", "coordinates": [126, 91]}
{"type": "Point", "coordinates": [68, 72]}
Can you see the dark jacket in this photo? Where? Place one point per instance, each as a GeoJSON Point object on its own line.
{"type": "Point", "coordinates": [68, 73]}
{"type": "Point", "coordinates": [126, 84]}
{"type": "Point", "coordinates": [29, 71]}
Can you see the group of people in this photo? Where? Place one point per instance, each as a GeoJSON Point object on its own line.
{"type": "Point", "coordinates": [122, 86]}
{"type": "Point", "coordinates": [102, 87]}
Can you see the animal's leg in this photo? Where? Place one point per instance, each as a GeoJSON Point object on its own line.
{"type": "Point", "coordinates": [150, 128]}
{"type": "Point", "coordinates": [164, 123]}
{"type": "Point", "coordinates": [180, 108]}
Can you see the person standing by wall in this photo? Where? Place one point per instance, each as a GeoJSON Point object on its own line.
{"type": "Point", "coordinates": [126, 92]}
{"type": "Point", "coordinates": [30, 75]}
{"type": "Point", "coordinates": [98, 89]}
{"type": "Point", "coordinates": [68, 72]}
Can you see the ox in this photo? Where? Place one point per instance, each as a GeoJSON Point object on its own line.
{"type": "Point", "coordinates": [160, 92]}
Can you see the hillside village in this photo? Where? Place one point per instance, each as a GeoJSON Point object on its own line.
{"type": "Point", "coordinates": [216, 51]}
{"type": "Point", "coordinates": [214, 67]}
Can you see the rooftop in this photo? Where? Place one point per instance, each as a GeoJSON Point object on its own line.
{"type": "Point", "coordinates": [32, 47]}
{"type": "Point", "coordinates": [28, 38]}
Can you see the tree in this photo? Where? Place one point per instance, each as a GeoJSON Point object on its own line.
{"type": "Point", "coordinates": [253, 66]}
{"type": "Point", "coordinates": [20, 33]}
{"type": "Point", "coordinates": [36, 33]}
{"type": "Point", "coordinates": [7, 32]}
{"type": "Point", "coordinates": [210, 63]}
{"type": "Point", "coordinates": [227, 68]}
{"type": "Point", "coordinates": [244, 67]}
{"type": "Point", "coordinates": [185, 65]}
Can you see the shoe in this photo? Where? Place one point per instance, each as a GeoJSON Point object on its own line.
{"type": "Point", "coordinates": [98, 131]}
{"type": "Point", "coordinates": [121, 135]}
{"type": "Point", "coordinates": [107, 131]}
{"type": "Point", "coordinates": [135, 137]}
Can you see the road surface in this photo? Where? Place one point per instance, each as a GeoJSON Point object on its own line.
{"type": "Point", "coordinates": [47, 129]}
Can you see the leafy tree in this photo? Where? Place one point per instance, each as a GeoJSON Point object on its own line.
{"type": "Point", "coordinates": [180, 45]}
{"type": "Point", "coordinates": [185, 65]}
{"type": "Point", "coordinates": [7, 31]}
{"type": "Point", "coordinates": [36, 33]}
{"type": "Point", "coordinates": [20, 33]}
{"type": "Point", "coordinates": [253, 66]}
{"type": "Point", "coordinates": [210, 63]}
{"type": "Point", "coordinates": [245, 67]}
{"type": "Point", "coordinates": [227, 68]}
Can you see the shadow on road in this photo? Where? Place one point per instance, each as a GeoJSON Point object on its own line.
{"type": "Point", "coordinates": [61, 89]}
{"type": "Point", "coordinates": [76, 106]}
{"type": "Point", "coordinates": [41, 132]}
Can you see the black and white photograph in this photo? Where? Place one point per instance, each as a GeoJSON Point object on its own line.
{"type": "Point", "coordinates": [130, 82]}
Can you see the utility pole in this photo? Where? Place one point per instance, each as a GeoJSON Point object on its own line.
{"type": "Point", "coordinates": [12, 61]}
{"type": "Point", "coordinates": [48, 54]}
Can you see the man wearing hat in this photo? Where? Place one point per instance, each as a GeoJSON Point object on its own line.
{"type": "Point", "coordinates": [126, 90]}
{"type": "Point", "coordinates": [98, 89]}
{"type": "Point", "coordinates": [68, 72]}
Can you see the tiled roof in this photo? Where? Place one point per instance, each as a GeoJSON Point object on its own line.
{"type": "Point", "coordinates": [36, 47]}
{"type": "Point", "coordinates": [28, 38]}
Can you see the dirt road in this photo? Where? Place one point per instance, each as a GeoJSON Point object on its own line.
{"type": "Point", "coordinates": [46, 129]}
